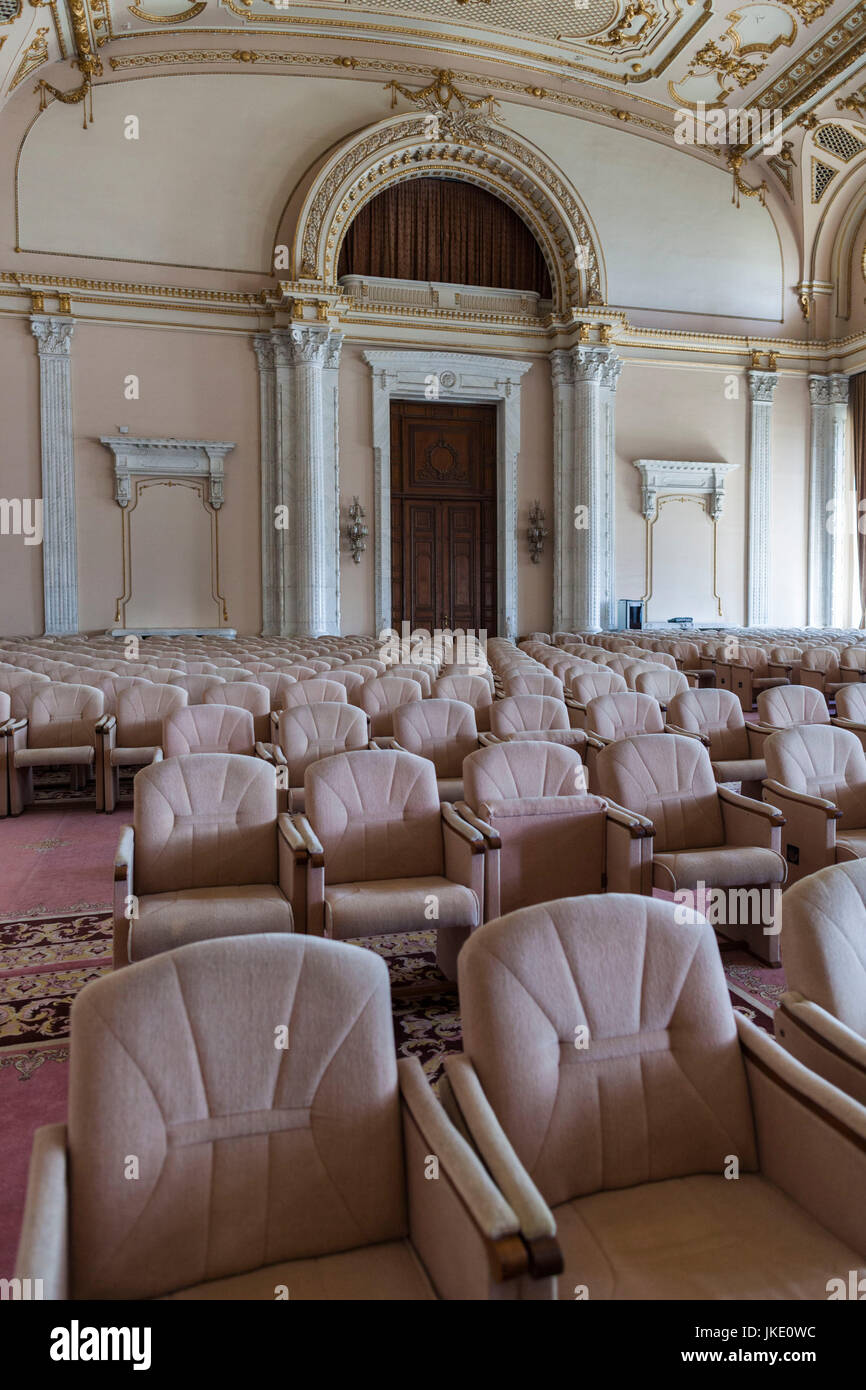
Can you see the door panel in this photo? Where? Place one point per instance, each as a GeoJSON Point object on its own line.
{"type": "Point", "coordinates": [443, 515]}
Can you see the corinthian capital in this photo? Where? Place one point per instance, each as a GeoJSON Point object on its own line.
{"type": "Point", "coordinates": [53, 335]}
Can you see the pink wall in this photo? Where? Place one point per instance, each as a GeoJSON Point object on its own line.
{"type": "Point", "coordinates": [20, 475]}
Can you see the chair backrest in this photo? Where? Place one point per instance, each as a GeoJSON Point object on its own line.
{"type": "Point", "coordinates": [12, 678]}
{"type": "Point", "coordinates": [623, 714]}
{"type": "Point", "coordinates": [657, 1090]}
{"type": "Point", "coordinates": [205, 820]}
{"type": "Point", "coordinates": [351, 680]}
{"type": "Point", "coordinates": [369, 667]}
{"type": "Point", "coordinates": [315, 691]}
{"type": "Point", "coordinates": [785, 705]}
{"type": "Point", "coordinates": [854, 658]}
{"type": "Point", "coordinates": [380, 697]}
{"type": "Point", "coordinates": [520, 770]}
{"type": "Point", "coordinates": [377, 815]}
{"type": "Point", "coordinates": [821, 760]}
{"type": "Point", "coordinates": [197, 686]}
{"type": "Point", "coordinates": [413, 673]}
{"type": "Point", "coordinates": [277, 685]}
{"type": "Point", "coordinates": [442, 730]}
{"type": "Point", "coordinates": [307, 733]}
{"type": "Point", "coordinates": [5, 706]}
{"type": "Point", "coordinates": [669, 779]}
{"type": "Point", "coordinates": [534, 683]}
{"type": "Point", "coordinates": [531, 713]}
{"type": "Point", "coordinates": [824, 941]}
{"type": "Point", "coordinates": [293, 669]}
{"type": "Point", "coordinates": [716, 713]}
{"type": "Point", "coordinates": [850, 702]}
{"type": "Point", "coordinates": [212, 1107]}
{"type": "Point", "coordinates": [63, 716]}
{"type": "Point", "coordinates": [208, 729]}
{"type": "Point", "coordinates": [685, 654]}
{"type": "Point", "coordinates": [472, 690]}
{"type": "Point", "coordinates": [141, 710]}
{"type": "Point", "coordinates": [824, 659]}
{"type": "Point", "coordinates": [22, 692]}
{"type": "Point", "coordinates": [662, 685]}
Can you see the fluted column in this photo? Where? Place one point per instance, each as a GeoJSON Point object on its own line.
{"type": "Point", "coordinates": [829, 407]}
{"type": "Point", "coordinates": [762, 385]}
{"type": "Point", "coordinates": [331, 426]}
{"type": "Point", "coordinates": [584, 386]}
{"type": "Point", "coordinates": [273, 539]}
{"type": "Point", "coordinates": [53, 336]}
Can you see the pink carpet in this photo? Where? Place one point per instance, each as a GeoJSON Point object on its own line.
{"type": "Point", "coordinates": [56, 858]}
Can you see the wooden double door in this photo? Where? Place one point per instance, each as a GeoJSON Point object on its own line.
{"type": "Point", "coordinates": [443, 516]}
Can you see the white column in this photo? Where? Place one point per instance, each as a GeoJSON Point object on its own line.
{"type": "Point", "coordinates": [60, 540]}
{"type": "Point", "coordinates": [273, 596]}
{"type": "Point", "coordinates": [331, 417]}
{"type": "Point", "coordinates": [584, 386]}
{"type": "Point", "coordinates": [761, 388]}
{"type": "Point", "coordinates": [829, 398]}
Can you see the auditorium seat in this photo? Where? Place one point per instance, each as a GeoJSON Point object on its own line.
{"type": "Point", "coordinates": [816, 775]}
{"type": "Point", "coordinates": [819, 669]}
{"type": "Point", "coordinates": [704, 833]}
{"type": "Point", "coordinates": [443, 731]}
{"type": "Point", "coordinates": [206, 856]}
{"type": "Point", "coordinates": [471, 690]}
{"type": "Point", "coordinates": [133, 736]}
{"type": "Point", "coordinates": [531, 683]}
{"type": "Point", "coordinates": [735, 746]}
{"type": "Point", "coordinates": [248, 695]}
{"type": "Point", "coordinates": [787, 705]}
{"type": "Point", "coordinates": [661, 684]}
{"type": "Point", "coordinates": [304, 735]}
{"type": "Point", "coordinates": [265, 1167]}
{"type": "Point", "coordinates": [852, 664]}
{"type": "Point", "coordinates": [536, 717]}
{"type": "Point", "coordinates": [546, 836]}
{"type": "Point", "coordinates": [58, 731]}
{"type": "Point", "coordinates": [608, 1084]}
{"type": "Point", "coordinates": [821, 1019]}
{"type": "Point", "coordinates": [208, 729]}
{"type": "Point", "coordinates": [386, 856]}
{"type": "Point", "coordinates": [380, 697]}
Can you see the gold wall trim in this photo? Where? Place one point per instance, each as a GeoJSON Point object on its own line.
{"type": "Point", "coordinates": [139, 486]}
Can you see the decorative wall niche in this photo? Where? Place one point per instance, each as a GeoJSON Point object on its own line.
{"type": "Point", "coordinates": [682, 504]}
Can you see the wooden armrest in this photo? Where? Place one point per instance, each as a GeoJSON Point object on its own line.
{"type": "Point", "coordinates": [491, 836]}
{"type": "Point", "coordinates": [788, 794]}
{"type": "Point", "coordinates": [124, 853]}
{"type": "Point", "coordinates": [640, 826]}
{"type": "Point", "coordinates": [687, 733]}
{"type": "Point", "coordinates": [748, 803]}
{"type": "Point", "coordinates": [315, 848]}
{"type": "Point", "coordinates": [467, 832]}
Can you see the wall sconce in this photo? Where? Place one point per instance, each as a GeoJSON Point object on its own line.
{"type": "Point", "coordinates": [536, 533]}
{"type": "Point", "coordinates": [356, 531]}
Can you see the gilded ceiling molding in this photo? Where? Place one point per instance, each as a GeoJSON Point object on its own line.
{"type": "Point", "coordinates": [481, 152]}
{"type": "Point", "coordinates": [618, 36]}
{"type": "Point", "coordinates": [35, 54]}
{"type": "Point", "coordinates": [787, 91]}
{"type": "Point", "coordinates": [87, 62]}
{"type": "Point", "coordinates": [58, 28]}
{"type": "Point", "coordinates": [180, 18]}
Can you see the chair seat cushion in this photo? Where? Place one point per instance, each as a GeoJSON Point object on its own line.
{"type": "Point", "coordinates": [450, 788]}
{"type": "Point", "coordinates": [854, 841]}
{"type": "Point", "coordinates": [740, 770]}
{"type": "Point", "coordinates": [133, 757]}
{"type": "Point", "coordinates": [167, 920]}
{"type": "Point", "coordinates": [55, 757]}
{"type": "Point", "coordinates": [701, 1237]}
{"type": "Point", "coordinates": [375, 1272]}
{"type": "Point", "coordinates": [722, 866]}
{"type": "Point", "coordinates": [397, 905]}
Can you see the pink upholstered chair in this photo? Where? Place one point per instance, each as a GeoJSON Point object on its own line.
{"type": "Point", "coordinates": [661, 684]}
{"type": "Point", "coordinates": [785, 660]}
{"type": "Point", "coordinates": [607, 1082]}
{"type": "Point", "coordinates": [21, 694]}
{"type": "Point", "coordinates": [413, 673]}
{"type": "Point", "coordinates": [368, 667]}
{"type": "Point", "coordinates": [705, 834]}
{"type": "Point", "coordinates": [850, 709]}
{"type": "Point", "coordinates": [352, 680]}
{"type": "Point", "coordinates": [820, 670]}
{"type": "Point", "coordinates": [315, 691]}
{"type": "Point", "coordinates": [852, 664]}
{"type": "Point", "coordinates": [132, 737]}
{"type": "Point", "coordinates": [536, 717]}
{"type": "Point", "coordinates": [385, 854]}
{"type": "Point", "coordinates": [208, 729]}
{"type": "Point", "coordinates": [534, 683]}
{"type": "Point", "coordinates": [735, 746]}
{"type": "Point", "coordinates": [786, 705]}
{"type": "Point", "coordinates": [443, 731]}
{"type": "Point", "coordinates": [546, 837]}
{"type": "Point", "coordinates": [821, 1019]}
{"type": "Point", "coordinates": [471, 690]}
{"type": "Point", "coordinates": [750, 674]}
{"type": "Point", "coordinates": [206, 856]}
{"type": "Point", "coordinates": [305, 734]}
{"type": "Point", "coordinates": [816, 775]}
{"type": "Point", "coordinates": [622, 715]}
{"type": "Point", "coordinates": [267, 1170]}
{"type": "Point", "coordinates": [379, 698]}
{"type": "Point", "coordinates": [59, 730]}
{"type": "Point", "coordinates": [197, 686]}
{"type": "Point", "coordinates": [6, 731]}
{"type": "Point", "coordinates": [247, 695]}
{"type": "Point", "coordinates": [585, 686]}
